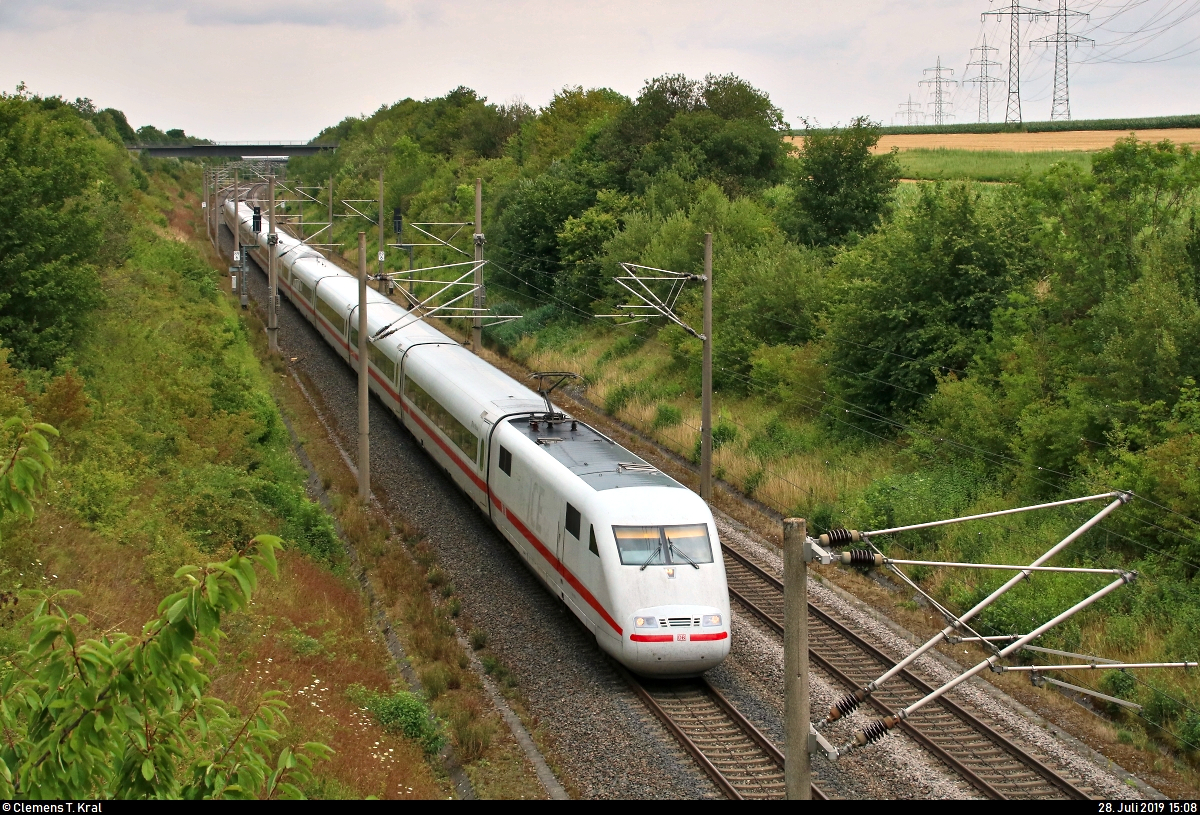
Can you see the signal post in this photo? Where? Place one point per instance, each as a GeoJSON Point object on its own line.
{"type": "Point", "coordinates": [477, 322]}
{"type": "Point", "coordinates": [272, 280]}
{"type": "Point", "coordinates": [364, 391]}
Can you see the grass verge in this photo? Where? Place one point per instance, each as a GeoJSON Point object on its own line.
{"type": "Point", "coordinates": [173, 451]}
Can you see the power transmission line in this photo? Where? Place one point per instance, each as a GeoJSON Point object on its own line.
{"type": "Point", "coordinates": [1014, 12]}
{"type": "Point", "coordinates": [1159, 22]}
{"type": "Point", "coordinates": [939, 103]}
{"type": "Point", "coordinates": [984, 80]}
{"type": "Point", "coordinates": [911, 112]}
{"type": "Point", "coordinates": [1062, 38]}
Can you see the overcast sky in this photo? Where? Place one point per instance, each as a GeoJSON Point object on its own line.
{"type": "Point", "coordinates": [270, 69]}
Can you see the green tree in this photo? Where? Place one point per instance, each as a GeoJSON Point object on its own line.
{"type": "Point", "coordinates": [532, 214]}
{"type": "Point", "coordinates": [581, 242]}
{"type": "Point", "coordinates": [59, 219]}
{"type": "Point", "coordinates": [841, 189]}
{"type": "Point", "coordinates": [721, 128]}
{"type": "Point", "coordinates": [558, 127]}
{"type": "Point", "coordinates": [917, 299]}
{"type": "Point", "coordinates": [1097, 227]}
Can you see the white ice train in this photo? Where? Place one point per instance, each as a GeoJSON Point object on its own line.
{"type": "Point", "coordinates": [633, 553]}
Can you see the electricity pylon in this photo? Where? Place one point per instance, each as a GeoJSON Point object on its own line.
{"type": "Point", "coordinates": [939, 103]}
{"type": "Point", "coordinates": [1061, 109]}
{"type": "Point", "coordinates": [911, 112]}
{"type": "Point", "coordinates": [984, 81]}
{"type": "Point", "coordinates": [1014, 12]}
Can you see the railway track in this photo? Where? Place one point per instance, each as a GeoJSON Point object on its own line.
{"type": "Point", "coordinates": [984, 757]}
{"type": "Point", "coordinates": [740, 760]}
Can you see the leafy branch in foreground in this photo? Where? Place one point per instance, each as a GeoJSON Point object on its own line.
{"type": "Point", "coordinates": [24, 469]}
{"type": "Point", "coordinates": [125, 716]}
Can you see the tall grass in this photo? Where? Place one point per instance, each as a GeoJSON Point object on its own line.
{"type": "Point", "coordinates": [984, 165]}
{"type": "Point", "coordinates": [768, 456]}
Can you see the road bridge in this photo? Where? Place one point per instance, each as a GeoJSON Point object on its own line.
{"type": "Point", "coordinates": [233, 149]}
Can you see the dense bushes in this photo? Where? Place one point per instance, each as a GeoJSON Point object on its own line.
{"type": "Point", "coordinates": [916, 299]}
{"type": "Point", "coordinates": [172, 443]}
{"type": "Point", "coordinates": [60, 220]}
{"type": "Point", "coordinates": [840, 189]}
{"type": "Point", "coordinates": [401, 712]}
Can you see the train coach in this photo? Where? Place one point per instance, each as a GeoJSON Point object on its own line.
{"type": "Point", "coordinates": [633, 553]}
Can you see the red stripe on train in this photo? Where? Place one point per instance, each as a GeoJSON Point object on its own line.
{"type": "Point", "coordinates": [709, 637]}
{"type": "Point", "coordinates": [652, 637]}
{"type": "Point", "coordinates": [573, 581]}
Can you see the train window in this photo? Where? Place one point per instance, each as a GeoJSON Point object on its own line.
{"type": "Point", "coordinates": [688, 544]}
{"type": "Point", "coordinates": [380, 360]}
{"type": "Point", "coordinates": [639, 545]}
{"type": "Point", "coordinates": [458, 433]}
{"type": "Point", "coordinates": [592, 547]}
{"type": "Point", "coordinates": [353, 337]}
{"type": "Point", "coordinates": [663, 545]}
{"type": "Point", "coordinates": [336, 322]}
{"type": "Point", "coordinates": [573, 520]}
{"type": "Point", "coordinates": [505, 461]}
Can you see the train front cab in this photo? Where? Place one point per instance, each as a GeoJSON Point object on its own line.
{"type": "Point", "coordinates": [667, 576]}
{"type": "Point", "coordinates": [634, 554]}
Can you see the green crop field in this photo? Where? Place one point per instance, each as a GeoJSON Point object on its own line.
{"type": "Point", "coordinates": [1144, 123]}
{"type": "Point", "coordinates": [984, 165]}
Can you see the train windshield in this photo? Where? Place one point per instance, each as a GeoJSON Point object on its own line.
{"type": "Point", "coordinates": [682, 545]}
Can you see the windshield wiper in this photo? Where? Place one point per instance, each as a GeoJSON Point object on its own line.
{"type": "Point", "coordinates": [681, 553]}
{"type": "Point", "coordinates": [656, 551]}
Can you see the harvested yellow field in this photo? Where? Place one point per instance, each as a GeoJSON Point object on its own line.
{"type": "Point", "coordinates": [1027, 142]}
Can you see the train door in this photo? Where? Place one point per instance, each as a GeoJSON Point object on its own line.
{"type": "Point", "coordinates": [558, 553]}
{"type": "Point", "coordinates": [535, 519]}
{"type": "Point", "coordinates": [581, 558]}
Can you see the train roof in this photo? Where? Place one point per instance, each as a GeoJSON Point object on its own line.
{"type": "Point", "coordinates": [595, 459]}
{"type": "Point", "coordinates": [450, 367]}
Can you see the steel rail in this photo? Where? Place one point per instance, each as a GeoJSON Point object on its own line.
{"type": "Point", "coordinates": [825, 660]}
{"type": "Point", "coordinates": [817, 657]}
{"type": "Point", "coordinates": [752, 734]}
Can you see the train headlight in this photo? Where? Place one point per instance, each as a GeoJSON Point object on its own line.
{"type": "Point", "coordinates": [646, 622]}
{"type": "Point", "coordinates": [711, 619]}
